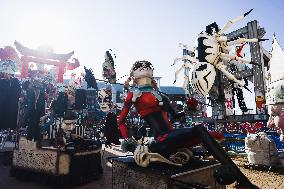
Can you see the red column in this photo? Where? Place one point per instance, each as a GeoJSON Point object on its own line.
{"type": "Point", "coordinates": [61, 72]}
{"type": "Point", "coordinates": [25, 67]}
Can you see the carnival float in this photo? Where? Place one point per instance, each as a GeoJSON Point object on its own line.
{"type": "Point", "coordinates": [53, 129]}
{"type": "Point", "coordinates": [53, 147]}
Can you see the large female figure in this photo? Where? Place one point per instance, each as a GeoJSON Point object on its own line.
{"type": "Point", "coordinates": [155, 108]}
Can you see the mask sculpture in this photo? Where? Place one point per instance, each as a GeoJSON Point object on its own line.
{"type": "Point", "coordinates": [104, 99]}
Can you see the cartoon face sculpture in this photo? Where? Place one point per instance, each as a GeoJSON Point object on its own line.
{"type": "Point", "coordinates": [203, 77]}
{"type": "Point", "coordinates": [142, 69]}
{"type": "Point", "coordinates": [68, 126]}
{"type": "Point", "coordinates": [104, 99]}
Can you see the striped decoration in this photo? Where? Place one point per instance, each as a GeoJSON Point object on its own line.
{"type": "Point", "coordinates": [80, 130]}
{"type": "Point", "coordinates": [52, 131]}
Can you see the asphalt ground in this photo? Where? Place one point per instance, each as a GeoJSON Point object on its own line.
{"type": "Point", "coordinates": [8, 182]}
{"type": "Point", "coordinates": [263, 179]}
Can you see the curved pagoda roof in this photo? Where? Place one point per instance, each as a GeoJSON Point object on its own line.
{"type": "Point", "coordinates": [40, 54]}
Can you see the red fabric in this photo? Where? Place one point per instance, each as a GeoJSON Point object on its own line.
{"type": "Point", "coordinates": [258, 125]}
{"type": "Point", "coordinates": [248, 127]}
{"type": "Point", "coordinates": [123, 130]}
{"type": "Point", "coordinates": [239, 50]}
{"type": "Point", "coordinates": [217, 135]}
{"type": "Point", "coordinates": [163, 137]}
{"type": "Point", "coordinates": [126, 108]}
{"type": "Point", "coordinates": [192, 103]}
{"type": "Point", "coordinates": [166, 118]}
{"type": "Point", "coordinates": [145, 104]}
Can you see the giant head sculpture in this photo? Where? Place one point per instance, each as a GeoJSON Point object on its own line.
{"type": "Point", "coordinates": [105, 99]}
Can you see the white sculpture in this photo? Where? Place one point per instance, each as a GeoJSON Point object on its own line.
{"type": "Point", "coordinates": [214, 48]}
{"type": "Point", "coordinates": [203, 77]}
{"type": "Point", "coordinates": [143, 157]}
{"type": "Point", "coordinates": [188, 59]}
{"type": "Point", "coordinates": [261, 149]}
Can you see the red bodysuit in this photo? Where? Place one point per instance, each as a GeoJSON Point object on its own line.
{"type": "Point", "coordinates": [145, 103]}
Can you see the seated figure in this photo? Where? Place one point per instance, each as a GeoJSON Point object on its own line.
{"type": "Point", "coordinates": [155, 108]}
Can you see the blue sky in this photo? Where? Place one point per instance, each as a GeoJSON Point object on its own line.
{"type": "Point", "coordinates": [135, 30]}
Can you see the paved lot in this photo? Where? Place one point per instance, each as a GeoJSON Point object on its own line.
{"type": "Point", "coordinates": [264, 180]}
{"type": "Point", "coordinates": [7, 182]}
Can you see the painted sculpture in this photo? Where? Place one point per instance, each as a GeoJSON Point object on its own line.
{"type": "Point", "coordinates": [169, 144]}
{"type": "Point", "coordinates": [275, 89]}
{"type": "Point", "coordinates": [188, 59]}
{"type": "Point", "coordinates": [109, 73]}
{"type": "Point", "coordinates": [213, 48]}
{"type": "Point", "coordinates": [203, 76]}
{"type": "Point", "coordinates": [105, 99]}
{"type": "Point", "coordinates": [261, 149]}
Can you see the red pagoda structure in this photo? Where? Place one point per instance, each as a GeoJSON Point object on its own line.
{"type": "Point", "coordinates": [45, 57]}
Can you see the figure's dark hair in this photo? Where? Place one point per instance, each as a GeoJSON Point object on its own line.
{"type": "Point", "coordinates": [210, 27]}
{"type": "Point", "coordinates": [90, 79]}
{"type": "Point", "coordinates": [110, 58]}
{"type": "Point", "coordinates": [139, 63]}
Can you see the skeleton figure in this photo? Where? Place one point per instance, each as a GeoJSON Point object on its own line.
{"type": "Point", "coordinates": [187, 58]}
{"type": "Point", "coordinates": [104, 99]}
{"type": "Point", "coordinates": [214, 48]}
{"type": "Point", "coordinates": [143, 157]}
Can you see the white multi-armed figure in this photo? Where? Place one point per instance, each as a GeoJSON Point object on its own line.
{"type": "Point", "coordinates": [213, 48]}
{"type": "Point", "coordinates": [188, 59]}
